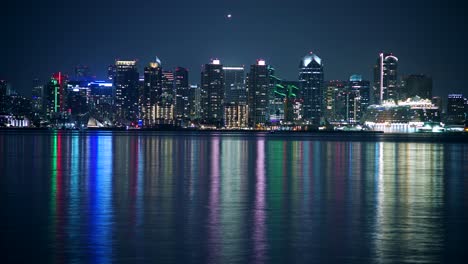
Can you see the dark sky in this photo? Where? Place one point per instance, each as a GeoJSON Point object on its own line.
{"type": "Point", "coordinates": [47, 36]}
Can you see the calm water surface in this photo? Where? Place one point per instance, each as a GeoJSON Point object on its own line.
{"type": "Point", "coordinates": [231, 198]}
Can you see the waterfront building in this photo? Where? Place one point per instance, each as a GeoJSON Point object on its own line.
{"type": "Point", "coordinates": [358, 98]}
{"type": "Point", "coordinates": [165, 104]}
{"type": "Point", "coordinates": [455, 109]}
{"type": "Point", "coordinates": [212, 94]}
{"type": "Point", "coordinates": [258, 94]}
{"type": "Point", "coordinates": [416, 85]}
{"type": "Point", "coordinates": [311, 87]}
{"type": "Point", "coordinates": [181, 83]}
{"type": "Point", "coordinates": [385, 78]}
{"type": "Point", "coordinates": [194, 102]}
{"type": "Point", "coordinates": [126, 82]}
{"type": "Point", "coordinates": [277, 96]}
{"type": "Point", "coordinates": [56, 95]}
{"type": "Point", "coordinates": [101, 101]}
{"type": "Point", "coordinates": [37, 97]}
{"type": "Point", "coordinates": [78, 94]}
{"type": "Point", "coordinates": [150, 92]}
{"type": "Point", "coordinates": [236, 115]}
{"type": "Point", "coordinates": [234, 82]}
{"type": "Point", "coordinates": [335, 98]}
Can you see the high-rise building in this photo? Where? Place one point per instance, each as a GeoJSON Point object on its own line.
{"type": "Point", "coordinates": [437, 101]}
{"type": "Point", "coordinates": [416, 85]}
{"type": "Point", "coordinates": [111, 72]}
{"type": "Point", "coordinates": [212, 94]}
{"type": "Point", "coordinates": [3, 96]}
{"type": "Point", "coordinates": [126, 84]}
{"type": "Point", "coordinates": [165, 104]}
{"type": "Point", "coordinates": [56, 94]}
{"type": "Point", "coordinates": [358, 98]}
{"type": "Point", "coordinates": [455, 109]}
{"type": "Point", "coordinates": [3, 87]}
{"type": "Point", "coordinates": [101, 100]}
{"type": "Point", "coordinates": [258, 94]}
{"type": "Point", "coordinates": [335, 97]}
{"type": "Point", "coordinates": [82, 73]}
{"type": "Point", "coordinates": [466, 110]}
{"type": "Point", "coordinates": [194, 102]}
{"type": "Point", "coordinates": [277, 97]}
{"type": "Point", "coordinates": [181, 84]}
{"type": "Point", "coordinates": [37, 96]}
{"type": "Point", "coordinates": [150, 92]}
{"type": "Point", "coordinates": [78, 94]}
{"type": "Point", "coordinates": [385, 78]}
{"type": "Point", "coordinates": [234, 82]}
{"type": "Point", "coordinates": [311, 86]}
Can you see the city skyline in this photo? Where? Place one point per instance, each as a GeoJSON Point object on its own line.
{"type": "Point", "coordinates": [425, 38]}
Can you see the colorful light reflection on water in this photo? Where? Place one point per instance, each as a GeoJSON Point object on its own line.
{"type": "Point", "coordinates": [106, 197]}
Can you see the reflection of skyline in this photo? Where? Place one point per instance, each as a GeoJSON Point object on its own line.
{"type": "Point", "coordinates": [409, 202]}
{"type": "Point", "coordinates": [218, 198]}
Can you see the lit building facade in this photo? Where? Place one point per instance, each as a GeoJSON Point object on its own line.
{"type": "Point", "coordinates": [126, 82]}
{"type": "Point", "coordinates": [335, 98]}
{"type": "Point", "coordinates": [311, 86]}
{"type": "Point", "coordinates": [181, 83]}
{"type": "Point", "coordinates": [358, 98]}
{"type": "Point", "coordinates": [194, 102]}
{"type": "Point", "coordinates": [236, 115]}
{"type": "Point", "coordinates": [212, 94]}
{"type": "Point", "coordinates": [102, 100]}
{"type": "Point", "coordinates": [455, 109]}
{"type": "Point", "coordinates": [78, 94]}
{"type": "Point", "coordinates": [258, 94]}
{"type": "Point", "coordinates": [150, 92]}
{"type": "Point", "coordinates": [385, 78]}
{"type": "Point", "coordinates": [56, 94]}
{"type": "Point", "coordinates": [234, 81]}
{"type": "Point", "coordinates": [37, 97]}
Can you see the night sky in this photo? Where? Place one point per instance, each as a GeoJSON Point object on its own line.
{"type": "Point", "coordinates": [48, 36]}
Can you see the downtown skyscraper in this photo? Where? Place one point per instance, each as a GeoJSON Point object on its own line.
{"type": "Point", "coordinates": [258, 94]}
{"type": "Point", "coordinates": [150, 92]}
{"type": "Point", "coordinates": [126, 91]}
{"type": "Point", "coordinates": [181, 86]}
{"type": "Point", "coordinates": [56, 95]}
{"type": "Point", "coordinates": [416, 85]}
{"type": "Point", "coordinates": [311, 85]}
{"type": "Point", "coordinates": [385, 78]}
{"type": "Point", "coordinates": [212, 94]}
{"type": "Point", "coordinates": [234, 82]}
